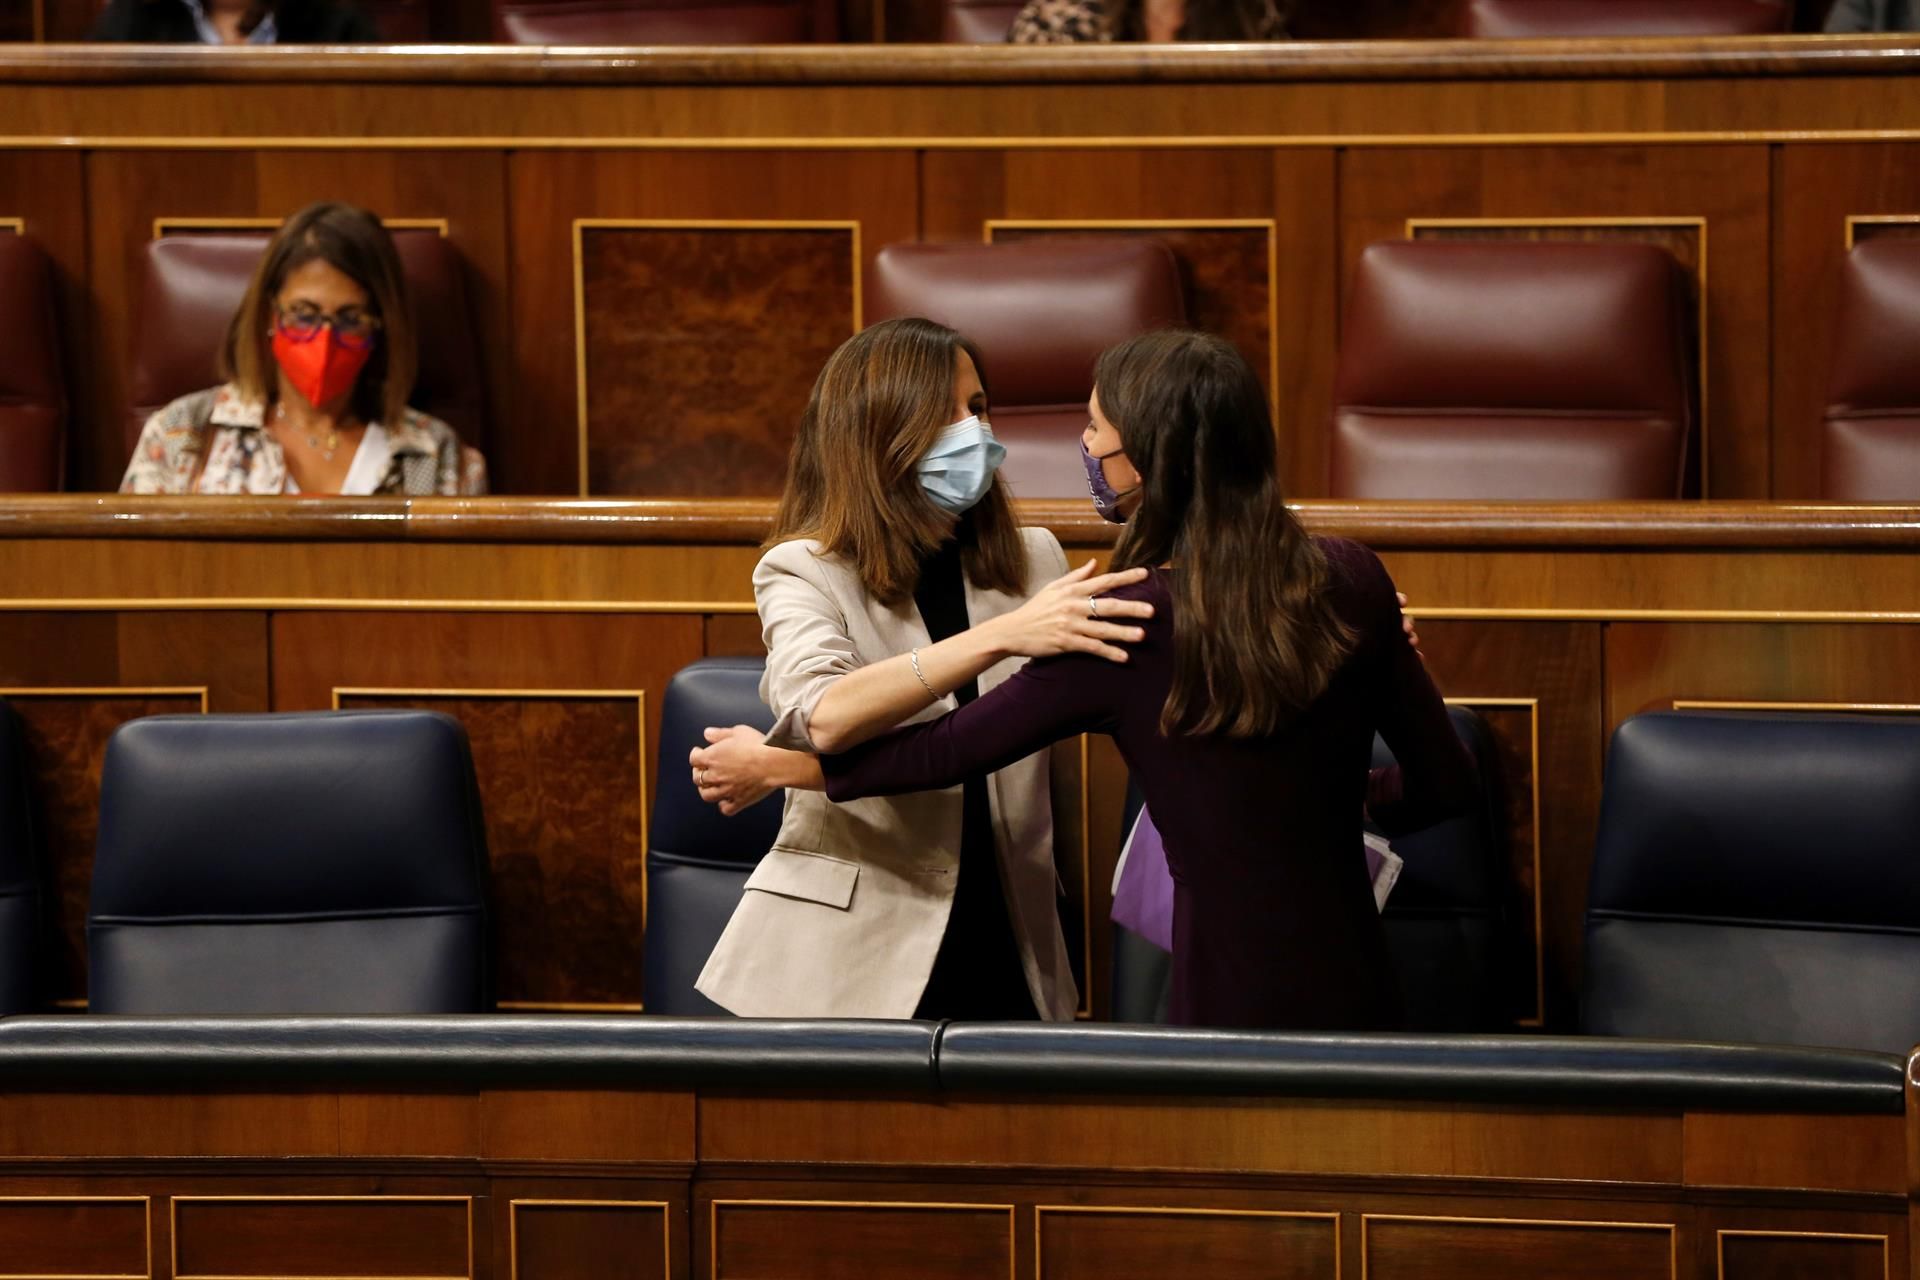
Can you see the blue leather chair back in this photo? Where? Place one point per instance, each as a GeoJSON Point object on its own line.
{"type": "Point", "coordinates": [327, 862]}
{"type": "Point", "coordinates": [1446, 920]}
{"type": "Point", "coordinates": [697, 860]}
{"type": "Point", "coordinates": [20, 904]}
{"type": "Point", "coordinates": [1757, 878]}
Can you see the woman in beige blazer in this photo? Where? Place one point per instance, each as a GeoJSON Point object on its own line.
{"type": "Point", "coordinates": [895, 534]}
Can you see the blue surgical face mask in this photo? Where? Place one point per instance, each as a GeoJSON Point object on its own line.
{"type": "Point", "coordinates": [958, 470]}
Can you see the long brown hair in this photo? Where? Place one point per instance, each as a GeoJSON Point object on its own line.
{"type": "Point", "coordinates": [352, 242]}
{"type": "Point", "coordinates": [1207, 20]}
{"type": "Point", "coordinates": [1255, 637]}
{"type": "Point", "coordinates": [879, 402]}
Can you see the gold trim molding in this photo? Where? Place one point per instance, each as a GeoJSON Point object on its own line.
{"type": "Point", "coordinates": [513, 1225]}
{"type": "Point", "coordinates": [1673, 1235]}
{"type": "Point", "coordinates": [583, 225]}
{"type": "Point", "coordinates": [1857, 220]}
{"type": "Point", "coordinates": [1720, 1245]}
{"type": "Point", "coordinates": [1040, 1212]}
{"type": "Point", "coordinates": [146, 1209]}
{"type": "Point", "coordinates": [1842, 708]}
{"type": "Point", "coordinates": [173, 1224]}
{"type": "Point", "coordinates": [189, 223]}
{"type": "Point", "coordinates": [110, 691]}
{"type": "Point", "coordinates": [18, 226]}
{"type": "Point", "coordinates": [714, 1207]}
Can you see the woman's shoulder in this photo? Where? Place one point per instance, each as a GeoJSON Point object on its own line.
{"type": "Point", "coordinates": [1361, 584]}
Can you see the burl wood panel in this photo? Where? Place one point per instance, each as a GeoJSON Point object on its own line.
{"type": "Point", "coordinates": [1769, 1256]}
{"type": "Point", "coordinates": [322, 1237]}
{"type": "Point", "coordinates": [825, 1241]}
{"type": "Point", "coordinates": [1729, 186]}
{"type": "Point", "coordinates": [701, 347]}
{"type": "Point", "coordinates": [1111, 1244]}
{"type": "Point", "coordinates": [1815, 192]}
{"type": "Point", "coordinates": [564, 795]}
{"type": "Point", "coordinates": [1295, 188]}
{"type": "Point", "coordinates": [77, 1237]}
{"type": "Point", "coordinates": [589, 1241]}
{"type": "Point", "coordinates": [1464, 1249]}
{"type": "Point", "coordinates": [66, 747]}
{"type": "Point", "coordinates": [549, 190]}
{"type": "Point", "coordinates": [1558, 664]}
{"type": "Point", "coordinates": [464, 187]}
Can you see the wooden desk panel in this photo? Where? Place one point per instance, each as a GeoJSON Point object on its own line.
{"type": "Point", "coordinates": [561, 623]}
{"type": "Point", "coordinates": [1747, 156]}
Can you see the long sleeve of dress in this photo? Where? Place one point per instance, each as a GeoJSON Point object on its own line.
{"type": "Point", "coordinates": [1433, 777]}
{"type": "Point", "coordinates": [1045, 701]}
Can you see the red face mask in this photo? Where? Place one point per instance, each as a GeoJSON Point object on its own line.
{"type": "Point", "coordinates": [321, 367]}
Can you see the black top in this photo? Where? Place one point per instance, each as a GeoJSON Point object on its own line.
{"type": "Point", "coordinates": [295, 22]}
{"type": "Point", "coordinates": [977, 973]}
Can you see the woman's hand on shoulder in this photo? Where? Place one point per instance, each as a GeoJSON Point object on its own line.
{"type": "Point", "coordinates": [1406, 625]}
{"type": "Point", "coordinates": [1072, 614]}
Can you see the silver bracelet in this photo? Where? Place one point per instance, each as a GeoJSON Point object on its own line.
{"type": "Point", "coordinates": [913, 656]}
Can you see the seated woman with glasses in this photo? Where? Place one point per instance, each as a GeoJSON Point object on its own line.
{"type": "Point", "coordinates": [318, 362]}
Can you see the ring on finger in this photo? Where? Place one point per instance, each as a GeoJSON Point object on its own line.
{"type": "Point", "coordinates": [702, 779]}
{"type": "Point", "coordinates": [1092, 610]}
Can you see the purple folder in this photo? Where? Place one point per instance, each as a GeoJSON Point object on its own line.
{"type": "Point", "coordinates": [1143, 887]}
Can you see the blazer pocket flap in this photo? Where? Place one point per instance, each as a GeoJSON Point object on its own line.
{"type": "Point", "coordinates": [813, 877]}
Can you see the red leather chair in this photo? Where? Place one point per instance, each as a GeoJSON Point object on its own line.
{"type": "Point", "coordinates": [1870, 448]}
{"type": "Point", "coordinates": [658, 22]}
{"type": "Point", "coordinates": [194, 283]}
{"type": "Point", "coordinates": [1041, 311]}
{"type": "Point", "coordinates": [1511, 369]}
{"type": "Point", "coordinates": [977, 21]}
{"type": "Point", "coordinates": [33, 388]}
{"type": "Point", "coordinates": [1493, 19]}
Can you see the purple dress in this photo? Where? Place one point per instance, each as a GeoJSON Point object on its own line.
{"type": "Point", "coordinates": [1274, 923]}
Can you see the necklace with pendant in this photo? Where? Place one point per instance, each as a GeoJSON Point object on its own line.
{"type": "Point", "coordinates": [325, 448]}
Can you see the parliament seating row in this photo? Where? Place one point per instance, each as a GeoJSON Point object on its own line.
{"type": "Point", "coordinates": [1486, 370]}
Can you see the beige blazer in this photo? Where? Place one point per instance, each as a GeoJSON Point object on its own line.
{"type": "Point", "coordinates": [844, 915]}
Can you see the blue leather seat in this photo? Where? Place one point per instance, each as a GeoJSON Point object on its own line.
{"type": "Point", "coordinates": [20, 905]}
{"type": "Point", "coordinates": [1447, 920]}
{"type": "Point", "coordinates": [697, 860]}
{"type": "Point", "coordinates": [326, 862]}
{"type": "Point", "coordinates": [1757, 879]}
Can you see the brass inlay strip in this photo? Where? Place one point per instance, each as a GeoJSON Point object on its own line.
{"type": "Point", "coordinates": [146, 1209]}
{"type": "Point", "coordinates": [713, 1219]}
{"type": "Point", "coordinates": [513, 1225]}
{"type": "Point", "coordinates": [1041, 1210]}
{"type": "Point", "coordinates": [583, 225]}
{"type": "Point", "coordinates": [169, 225]}
{"type": "Point", "coordinates": [1854, 708]}
{"type": "Point", "coordinates": [1673, 1236]}
{"type": "Point", "coordinates": [1721, 1237]}
{"type": "Point", "coordinates": [18, 226]}
{"type": "Point", "coordinates": [110, 691]}
{"type": "Point", "coordinates": [173, 1232]}
{"type": "Point", "coordinates": [1857, 220]}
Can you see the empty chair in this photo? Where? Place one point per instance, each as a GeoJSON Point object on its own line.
{"type": "Point", "coordinates": [656, 22]}
{"type": "Point", "coordinates": [1448, 920]}
{"type": "Point", "coordinates": [193, 284]}
{"type": "Point", "coordinates": [323, 862]}
{"type": "Point", "coordinates": [976, 21]}
{"type": "Point", "coordinates": [20, 906]}
{"type": "Point", "coordinates": [33, 388]}
{"type": "Point", "coordinates": [697, 860]}
{"type": "Point", "coordinates": [1488, 19]}
{"type": "Point", "coordinates": [1513, 369]}
{"type": "Point", "coordinates": [1870, 440]}
{"type": "Point", "coordinates": [1757, 878]}
{"type": "Point", "coordinates": [1041, 311]}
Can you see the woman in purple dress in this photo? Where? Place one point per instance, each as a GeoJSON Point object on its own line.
{"type": "Point", "coordinates": [1247, 712]}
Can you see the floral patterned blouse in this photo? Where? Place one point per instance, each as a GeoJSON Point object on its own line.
{"type": "Point", "coordinates": [1087, 22]}
{"type": "Point", "coordinates": [240, 457]}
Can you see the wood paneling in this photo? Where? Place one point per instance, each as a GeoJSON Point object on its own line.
{"type": "Point", "coordinates": [821, 1240]}
{"type": "Point", "coordinates": [1465, 1249]}
{"type": "Point", "coordinates": [82, 1236]}
{"type": "Point", "coordinates": [1108, 1243]}
{"type": "Point", "coordinates": [701, 347]}
{"type": "Point", "coordinates": [1727, 186]}
{"type": "Point", "coordinates": [331, 1237]}
{"type": "Point", "coordinates": [536, 1124]}
{"type": "Point", "coordinates": [1763, 1255]}
{"type": "Point", "coordinates": [550, 190]}
{"type": "Point", "coordinates": [47, 192]}
{"type": "Point", "coordinates": [1813, 196]}
{"type": "Point", "coordinates": [1842, 1153]}
{"type": "Point", "coordinates": [564, 792]}
{"type": "Point", "coordinates": [589, 1240]}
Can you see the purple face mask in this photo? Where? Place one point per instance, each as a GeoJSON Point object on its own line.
{"type": "Point", "coordinates": [1106, 499]}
